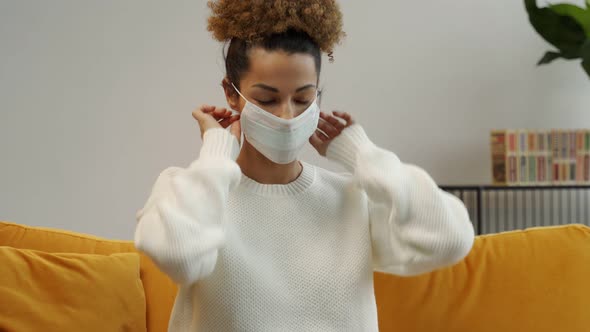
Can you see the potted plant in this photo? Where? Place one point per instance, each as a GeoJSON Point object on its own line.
{"type": "Point", "coordinates": [565, 26]}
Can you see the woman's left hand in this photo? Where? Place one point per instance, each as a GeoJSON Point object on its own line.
{"type": "Point", "coordinates": [332, 125]}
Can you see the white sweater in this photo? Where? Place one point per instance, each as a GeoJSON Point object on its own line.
{"type": "Point", "coordinates": [300, 256]}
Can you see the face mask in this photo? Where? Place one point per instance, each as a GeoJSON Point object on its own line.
{"type": "Point", "coordinates": [278, 139]}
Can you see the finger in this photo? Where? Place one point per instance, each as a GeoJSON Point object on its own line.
{"type": "Point", "coordinates": [220, 110]}
{"type": "Point", "coordinates": [334, 121]}
{"type": "Point", "coordinates": [315, 139]}
{"type": "Point", "coordinates": [221, 114]}
{"type": "Point", "coordinates": [207, 108]}
{"type": "Point", "coordinates": [345, 116]}
{"type": "Point", "coordinates": [228, 121]}
{"type": "Point", "coordinates": [327, 128]}
{"type": "Point", "coordinates": [217, 112]}
{"type": "Point", "coordinates": [224, 123]}
{"type": "Point", "coordinates": [321, 135]}
{"type": "Point", "coordinates": [198, 113]}
{"type": "Point", "coordinates": [226, 113]}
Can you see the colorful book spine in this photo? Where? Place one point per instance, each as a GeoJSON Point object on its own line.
{"type": "Point", "coordinates": [549, 158]}
{"type": "Point", "coordinates": [542, 157]}
{"type": "Point", "coordinates": [583, 156]}
{"type": "Point", "coordinates": [532, 153]}
{"type": "Point", "coordinates": [512, 158]}
{"type": "Point", "coordinates": [522, 157]}
{"type": "Point", "coordinates": [586, 153]}
{"type": "Point", "coordinates": [499, 149]}
{"type": "Point", "coordinates": [555, 156]}
{"type": "Point", "coordinates": [571, 160]}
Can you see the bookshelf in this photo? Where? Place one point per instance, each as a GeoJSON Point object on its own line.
{"type": "Point", "coordinates": [496, 208]}
{"type": "Point", "coordinates": [540, 156]}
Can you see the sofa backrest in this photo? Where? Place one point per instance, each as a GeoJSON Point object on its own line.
{"type": "Point", "coordinates": [529, 280]}
{"type": "Point", "coordinates": [159, 289]}
{"type": "Point", "coordinates": [525, 280]}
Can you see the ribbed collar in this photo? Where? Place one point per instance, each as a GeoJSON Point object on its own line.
{"type": "Point", "coordinates": [299, 185]}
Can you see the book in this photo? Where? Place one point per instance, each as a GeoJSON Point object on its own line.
{"type": "Point", "coordinates": [540, 156]}
{"type": "Point", "coordinates": [499, 149]}
{"type": "Point", "coordinates": [511, 155]}
{"type": "Point", "coordinates": [586, 154]}
{"type": "Point", "coordinates": [522, 139]}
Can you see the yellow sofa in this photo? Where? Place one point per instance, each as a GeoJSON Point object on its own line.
{"type": "Point", "coordinates": [530, 280]}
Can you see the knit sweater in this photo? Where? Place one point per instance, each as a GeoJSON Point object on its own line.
{"type": "Point", "coordinates": [299, 256]}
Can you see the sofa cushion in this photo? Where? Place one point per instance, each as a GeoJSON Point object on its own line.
{"type": "Point", "coordinates": [48, 292]}
{"type": "Point", "coordinates": [526, 280]}
{"type": "Point", "coordinates": [159, 289]}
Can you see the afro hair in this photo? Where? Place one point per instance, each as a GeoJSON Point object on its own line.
{"type": "Point", "coordinates": [252, 20]}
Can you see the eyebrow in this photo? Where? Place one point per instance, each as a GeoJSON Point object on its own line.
{"type": "Point", "coordinates": [270, 88]}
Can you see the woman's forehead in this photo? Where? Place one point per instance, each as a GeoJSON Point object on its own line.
{"type": "Point", "coordinates": [280, 69]}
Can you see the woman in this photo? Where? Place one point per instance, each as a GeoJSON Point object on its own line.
{"type": "Point", "coordinates": [260, 241]}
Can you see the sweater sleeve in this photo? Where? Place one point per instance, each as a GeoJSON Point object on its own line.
{"type": "Point", "coordinates": [415, 226]}
{"type": "Point", "coordinates": [180, 226]}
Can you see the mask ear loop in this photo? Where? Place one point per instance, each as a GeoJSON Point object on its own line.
{"type": "Point", "coordinates": [318, 98]}
{"type": "Point", "coordinates": [318, 102]}
{"type": "Point", "coordinates": [238, 91]}
{"type": "Point", "coordinates": [234, 112]}
{"type": "Point", "coordinates": [241, 95]}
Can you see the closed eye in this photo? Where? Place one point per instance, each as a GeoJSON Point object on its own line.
{"type": "Point", "coordinates": [270, 102]}
{"type": "Point", "coordinates": [265, 102]}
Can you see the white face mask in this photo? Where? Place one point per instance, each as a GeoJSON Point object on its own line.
{"type": "Point", "coordinates": [278, 139]}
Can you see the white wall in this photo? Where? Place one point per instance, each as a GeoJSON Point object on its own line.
{"type": "Point", "coordinates": [96, 96]}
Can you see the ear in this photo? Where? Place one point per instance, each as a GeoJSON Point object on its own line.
{"type": "Point", "coordinates": [232, 97]}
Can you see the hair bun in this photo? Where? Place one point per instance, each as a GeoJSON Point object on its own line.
{"type": "Point", "coordinates": [252, 20]}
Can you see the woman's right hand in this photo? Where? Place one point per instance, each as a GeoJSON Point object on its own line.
{"type": "Point", "coordinates": [217, 117]}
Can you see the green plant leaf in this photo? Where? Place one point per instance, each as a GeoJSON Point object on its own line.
{"type": "Point", "coordinates": [549, 57]}
{"type": "Point", "coordinates": [562, 31]}
{"type": "Point", "coordinates": [581, 15]}
{"type": "Point", "coordinates": [586, 56]}
{"type": "Point", "coordinates": [530, 5]}
{"type": "Point", "coordinates": [587, 4]}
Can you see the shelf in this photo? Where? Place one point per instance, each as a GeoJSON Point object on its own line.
{"type": "Point", "coordinates": [514, 187]}
{"type": "Point", "coordinates": [511, 206]}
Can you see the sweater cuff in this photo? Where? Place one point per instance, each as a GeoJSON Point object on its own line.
{"type": "Point", "coordinates": [218, 142]}
{"type": "Point", "coordinates": [345, 148]}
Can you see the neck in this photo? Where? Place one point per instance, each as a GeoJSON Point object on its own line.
{"type": "Point", "coordinates": [262, 170]}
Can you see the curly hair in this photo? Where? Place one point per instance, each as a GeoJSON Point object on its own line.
{"type": "Point", "coordinates": [253, 20]}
